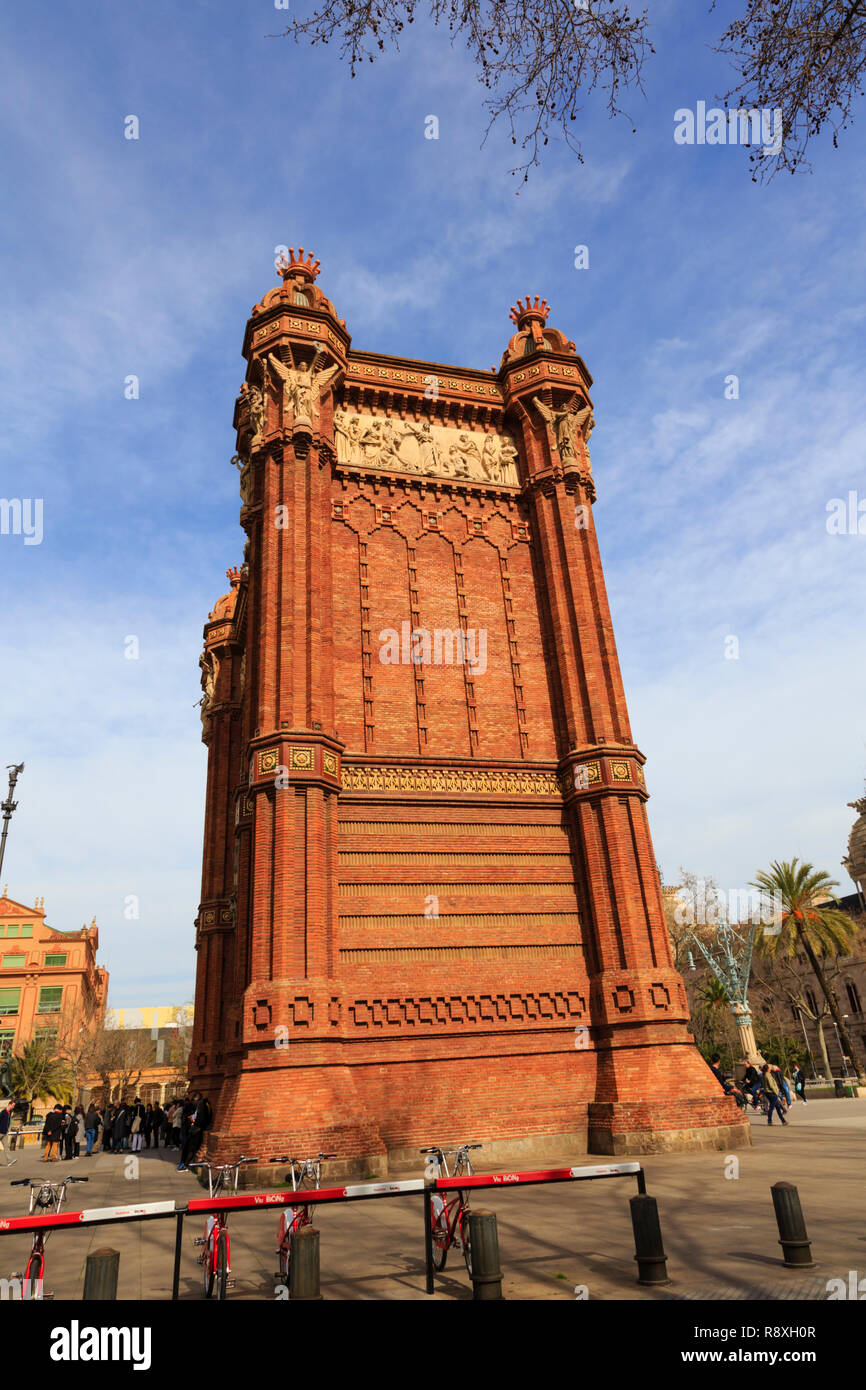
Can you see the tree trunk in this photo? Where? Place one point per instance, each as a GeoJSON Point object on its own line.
{"type": "Point", "coordinates": [833, 1005]}
{"type": "Point", "coordinates": [822, 1043]}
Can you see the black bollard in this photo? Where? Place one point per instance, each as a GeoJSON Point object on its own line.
{"type": "Point", "coordinates": [484, 1253]}
{"type": "Point", "coordinates": [792, 1226]}
{"type": "Point", "coordinates": [649, 1250]}
{"type": "Point", "coordinates": [304, 1266]}
{"type": "Point", "coordinates": [100, 1275]}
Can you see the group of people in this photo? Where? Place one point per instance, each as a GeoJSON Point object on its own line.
{"type": "Point", "coordinates": [127, 1126]}
{"type": "Point", "coordinates": [769, 1081]}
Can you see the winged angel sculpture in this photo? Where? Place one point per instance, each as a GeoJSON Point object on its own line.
{"type": "Point", "coordinates": [302, 387]}
{"type": "Point", "coordinates": [566, 426]}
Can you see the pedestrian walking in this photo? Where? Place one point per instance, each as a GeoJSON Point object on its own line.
{"type": "Point", "coordinates": [782, 1083]}
{"type": "Point", "coordinates": [5, 1122]}
{"type": "Point", "coordinates": [52, 1132]}
{"type": "Point", "coordinates": [773, 1094]}
{"type": "Point", "coordinates": [799, 1079]}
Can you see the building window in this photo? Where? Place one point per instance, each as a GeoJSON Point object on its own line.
{"type": "Point", "coordinates": [7, 1038]}
{"type": "Point", "coordinates": [47, 1035]}
{"type": "Point", "coordinates": [11, 930]}
{"type": "Point", "coordinates": [810, 1000]}
{"type": "Point", "coordinates": [14, 962]}
{"type": "Point", "coordinates": [854, 999]}
{"type": "Point", "coordinates": [59, 959]}
{"type": "Point", "coordinates": [27, 930]}
{"type": "Point", "coordinates": [49, 999]}
{"type": "Point", "coordinates": [10, 1000]}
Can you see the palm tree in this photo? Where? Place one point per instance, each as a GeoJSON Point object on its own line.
{"type": "Point", "coordinates": [39, 1074]}
{"type": "Point", "coordinates": [808, 923]}
{"type": "Point", "coordinates": [713, 994]}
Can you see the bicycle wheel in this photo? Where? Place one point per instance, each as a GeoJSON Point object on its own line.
{"type": "Point", "coordinates": [32, 1285]}
{"type": "Point", "coordinates": [222, 1262]}
{"type": "Point", "coordinates": [207, 1263]}
{"type": "Point", "coordinates": [464, 1237]}
{"type": "Point", "coordinates": [439, 1227]}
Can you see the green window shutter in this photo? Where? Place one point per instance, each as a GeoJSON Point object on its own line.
{"type": "Point", "coordinates": [59, 958]}
{"type": "Point", "coordinates": [27, 930]}
{"type": "Point", "coordinates": [11, 962]}
{"type": "Point", "coordinates": [9, 1001]}
{"type": "Point", "coordinates": [11, 930]}
{"type": "Point", "coordinates": [49, 999]}
{"type": "Point", "coordinates": [7, 1038]}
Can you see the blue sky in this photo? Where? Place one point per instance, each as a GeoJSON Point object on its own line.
{"type": "Point", "coordinates": [146, 256]}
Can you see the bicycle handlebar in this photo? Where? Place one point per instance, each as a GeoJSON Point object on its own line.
{"type": "Point", "coordinates": [435, 1149]}
{"type": "Point", "coordinates": [284, 1158]}
{"type": "Point", "coordinates": [43, 1182]}
{"type": "Point", "coordinates": [202, 1163]}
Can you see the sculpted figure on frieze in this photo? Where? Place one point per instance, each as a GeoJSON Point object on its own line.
{"type": "Point", "coordinates": [406, 446]}
{"type": "Point", "coordinates": [251, 415]}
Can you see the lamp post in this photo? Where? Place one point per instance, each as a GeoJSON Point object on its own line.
{"type": "Point", "coordinates": [730, 960]}
{"type": "Point", "coordinates": [8, 806]}
{"type": "Point", "coordinates": [841, 1048]}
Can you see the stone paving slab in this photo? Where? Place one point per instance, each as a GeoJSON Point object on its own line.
{"type": "Point", "coordinates": [719, 1229]}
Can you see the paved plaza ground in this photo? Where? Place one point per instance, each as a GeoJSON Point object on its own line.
{"type": "Point", "coordinates": [719, 1231]}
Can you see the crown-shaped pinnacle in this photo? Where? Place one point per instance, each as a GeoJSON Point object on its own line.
{"type": "Point", "coordinates": [292, 264]}
{"type": "Point", "coordinates": [234, 575]}
{"type": "Point", "coordinates": [540, 309]}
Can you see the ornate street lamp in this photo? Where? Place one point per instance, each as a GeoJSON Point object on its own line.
{"type": "Point", "coordinates": [8, 806]}
{"type": "Point", "coordinates": [730, 960]}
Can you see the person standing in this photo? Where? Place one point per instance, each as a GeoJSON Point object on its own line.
{"type": "Point", "coordinates": [202, 1120]}
{"type": "Point", "coordinates": [52, 1132]}
{"type": "Point", "coordinates": [136, 1125]}
{"type": "Point", "coordinates": [5, 1122]}
{"type": "Point", "coordinates": [120, 1129]}
{"type": "Point", "coordinates": [176, 1118]}
{"type": "Point", "coordinates": [147, 1124]}
{"type": "Point", "coordinates": [91, 1129]}
{"type": "Point", "coordinates": [68, 1142]}
{"type": "Point", "coordinates": [157, 1123]}
{"type": "Point", "coordinates": [773, 1094]}
{"type": "Point", "coordinates": [108, 1128]}
{"type": "Point", "coordinates": [799, 1079]}
{"type": "Point", "coordinates": [81, 1137]}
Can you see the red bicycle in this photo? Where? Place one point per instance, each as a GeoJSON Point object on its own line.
{"type": "Point", "coordinates": [45, 1197]}
{"type": "Point", "coordinates": [449, 1212]}
{"type": "Point", "coordinates": [215, 1258]}
{"type": "Point", "coordinates": [306, 1173]}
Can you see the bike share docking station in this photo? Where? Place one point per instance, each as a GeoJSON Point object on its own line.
{"type": "Point", "coordinates": [650, 1256]}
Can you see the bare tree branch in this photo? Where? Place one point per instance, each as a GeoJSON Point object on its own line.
{"type": "Point", "coordinates": [805, 58]}
{"type": "Point", "coordinates": [536, 58]}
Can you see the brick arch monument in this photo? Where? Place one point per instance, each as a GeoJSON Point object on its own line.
{"type": "Point", "coordinates": [430, 908]}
